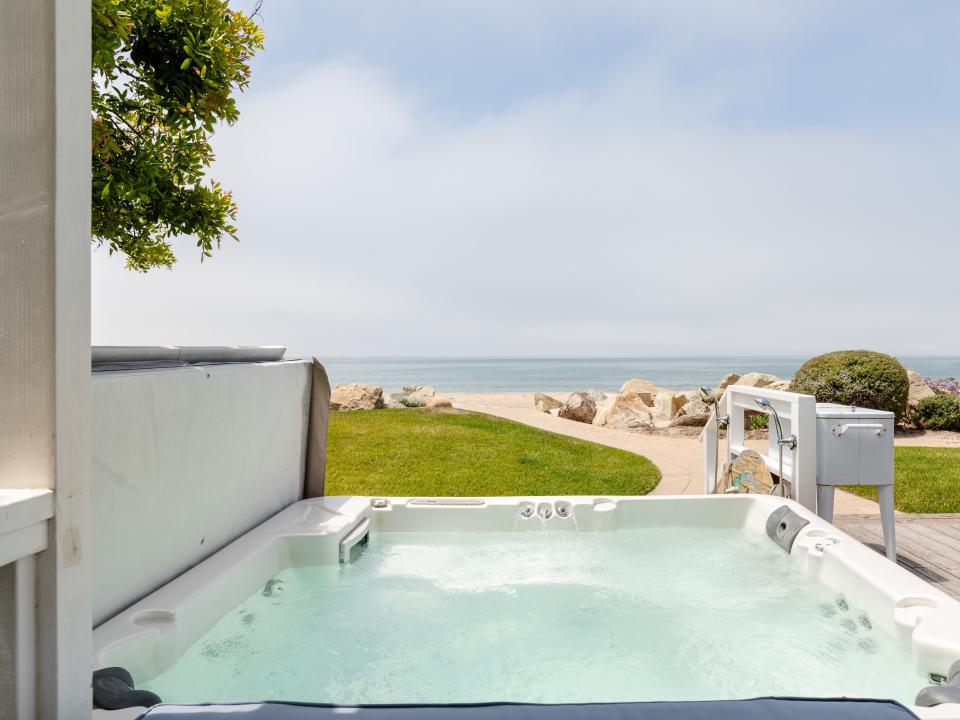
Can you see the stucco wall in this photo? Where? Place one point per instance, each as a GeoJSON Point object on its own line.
{"type": "Point", "coordinates": [184, 461]}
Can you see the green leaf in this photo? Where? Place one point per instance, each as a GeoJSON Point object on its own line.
{"type": "Point", "coordinates": [153, 121]}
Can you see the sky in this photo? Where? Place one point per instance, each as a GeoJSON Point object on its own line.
{"type": "Point", "coordinates": [578, 177]}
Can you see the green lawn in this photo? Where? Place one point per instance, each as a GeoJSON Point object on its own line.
{"type": "Point", "coordinates": [424, 452]}
{"type": "Point", "coordinates": [926, 480]}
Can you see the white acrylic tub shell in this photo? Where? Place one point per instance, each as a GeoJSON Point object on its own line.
{"type": "Point", "coordinates": [149, 636]}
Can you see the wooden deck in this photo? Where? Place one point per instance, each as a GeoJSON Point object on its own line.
{"type": "Point", "coordinates": [927, 545]}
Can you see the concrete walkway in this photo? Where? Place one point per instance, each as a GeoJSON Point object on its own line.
{"type": "Point", "coordinates": [679, 458]}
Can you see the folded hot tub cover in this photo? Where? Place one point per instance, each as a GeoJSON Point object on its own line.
{"type": "Point", "coordinates": [755, 709]}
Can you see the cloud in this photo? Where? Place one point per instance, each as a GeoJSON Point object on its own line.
{"type": "Point", "coordinates": [625, 216]}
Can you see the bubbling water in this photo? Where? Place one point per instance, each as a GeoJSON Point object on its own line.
{"type": "Point", "coordinates": [647, 614]}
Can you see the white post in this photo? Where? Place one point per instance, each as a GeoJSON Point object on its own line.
{"type": "Point", "coordinates": [803, 422]}
{"type": "Point", "coordinates": [735, 428]}
{"type": "Point", "coordinates": [26, 641]}
{"type": "Point", "coordinates": [710, 438]}
{"type": "Point", "coordinates": [888, 520]}
{"type": "Point", "coordinates": [65, 616]}
{"type": "Point", "coordinates": [45, 331]}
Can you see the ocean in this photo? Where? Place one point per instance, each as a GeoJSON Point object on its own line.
{"type": "Point", "coordinates": [568, 374]}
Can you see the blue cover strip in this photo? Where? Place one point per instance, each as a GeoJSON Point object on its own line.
{"type": "Point", "coordinates": [755, 709]}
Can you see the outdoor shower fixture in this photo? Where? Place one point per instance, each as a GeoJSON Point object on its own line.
{"type": "Point", "coordinates": [790, 440]}
{"type": "Point", "coordinates": [710, 399]}
{"type": "Point", "coordinates": [722, 420]}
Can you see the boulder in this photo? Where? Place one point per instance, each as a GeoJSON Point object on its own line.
{"type": "Point", "coordinates": [647, 397]}
{"type": "Point", "coordinates": [580, 406]}
{"type": "Point", "coordinates": [694, 407]}
{"type": "Point", "coordinates": [728, 380]}
{"type": "Point", "coordinates": [545, 403]}
{"type": "Point", "coordinates": [667, 405]}
{"type": "Point", "coordinates": [625, 411]}
{"type": "Point", "coordinates": [780, 385]}
{"type": "Point", "coordinates": [758, 380]}
{"type": "Point", "coordinates": [354, 396]}
{"type": "Point", "coordinates": [412, 396]}
{"type": "Point", "coordinates": [598, 395]}
{"type": "Point", "coordinates": [635, 385]}
{"type": "Point", "coordinates": [437, 402]}
{"type": "Point", "coordinates": [603, 408]}
{"type": "Point", "coordinates": [690, 420]}
{"type": "Point", "coordinates": [394, 401]}
{"type": "Point", "coordinates": [918, 389]}
{"type": "Point", "coordinates": [419, 393]}
{"type": "Point", "coordinates": [402, 400]}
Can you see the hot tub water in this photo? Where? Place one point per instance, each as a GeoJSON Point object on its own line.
{"type": "Point", "coordinates": [645, 614]}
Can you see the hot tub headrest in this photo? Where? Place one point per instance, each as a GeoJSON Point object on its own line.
{"type": "Point", "coordinates": [756, 709]}
{"type": "Point", "coordinates": [783, 526]}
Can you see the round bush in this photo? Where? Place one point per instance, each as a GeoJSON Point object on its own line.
{"type": "Point", "coordinates": [940, 412]}
{"type": "Point", "coordinates": [855, 377]}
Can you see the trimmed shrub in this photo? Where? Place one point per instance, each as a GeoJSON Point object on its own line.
{"type": "Point", "coordinates": [855, 377]}
{"type": "Point", "coordinates": [940, 412]}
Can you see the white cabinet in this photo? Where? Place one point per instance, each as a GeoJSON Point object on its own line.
{"type": "Point", "coordinates": [855, 447]}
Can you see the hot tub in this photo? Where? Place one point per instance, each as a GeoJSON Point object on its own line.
{"type": "Point", "coordinates": [353, 600]}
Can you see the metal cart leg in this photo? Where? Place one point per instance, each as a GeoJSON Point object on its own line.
{"type": "Point", "coordinates": [887, 520]}
{"type": "Point", "coordinates": [825, 495]}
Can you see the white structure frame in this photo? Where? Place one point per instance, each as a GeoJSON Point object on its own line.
{"type": "Point", "coordinates": [45, 359]}
{"type": "Point", "coordinates": [798, 413]}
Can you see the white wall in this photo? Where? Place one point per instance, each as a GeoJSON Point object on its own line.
{"type": "Point", "coordinates": [185, 460]}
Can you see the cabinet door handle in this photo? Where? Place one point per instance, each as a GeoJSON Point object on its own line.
{"type": "Point", "coordinates": [839, 430]}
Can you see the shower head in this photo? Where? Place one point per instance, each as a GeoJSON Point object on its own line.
{"type": "Point", "coordinates": [791, 440]}
{"type": "Point", "coordinates": [710, 399]}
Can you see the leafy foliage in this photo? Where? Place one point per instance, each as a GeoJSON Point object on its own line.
{"type": "Point", "coordinates": [855, 377]}
{"type": "Point", "coordinates": [939, 412]}
{"type": "Point", "coordinates": [164, 74]}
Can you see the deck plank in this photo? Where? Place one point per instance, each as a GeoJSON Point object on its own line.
{"type": "Point", "coordinates": [927, 545]}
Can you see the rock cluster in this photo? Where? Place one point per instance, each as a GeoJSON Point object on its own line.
{"type": "Point", "coordinates": [580, 406]}
{"type": "Point", "coordinates": [411, 396]}
{"type": "Point", "coordinates": [641, 406]}
{"type": "Point", "coordinates": [545, 403]}
{"type": "Point", "coordinates": [354, 396]}
{"type": "Point", "coordinates": [625, 411]}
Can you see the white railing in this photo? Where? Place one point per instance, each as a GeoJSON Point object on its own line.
{"type": "Point", "coordinates": [24, 519]}
{"type": "Point", "coordinates": [798, 415]}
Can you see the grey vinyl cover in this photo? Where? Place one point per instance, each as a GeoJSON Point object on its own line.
{"type": "Point", "coordinates": [755, 709]}
{"type": "Point", "coordinates": [315, 469]}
